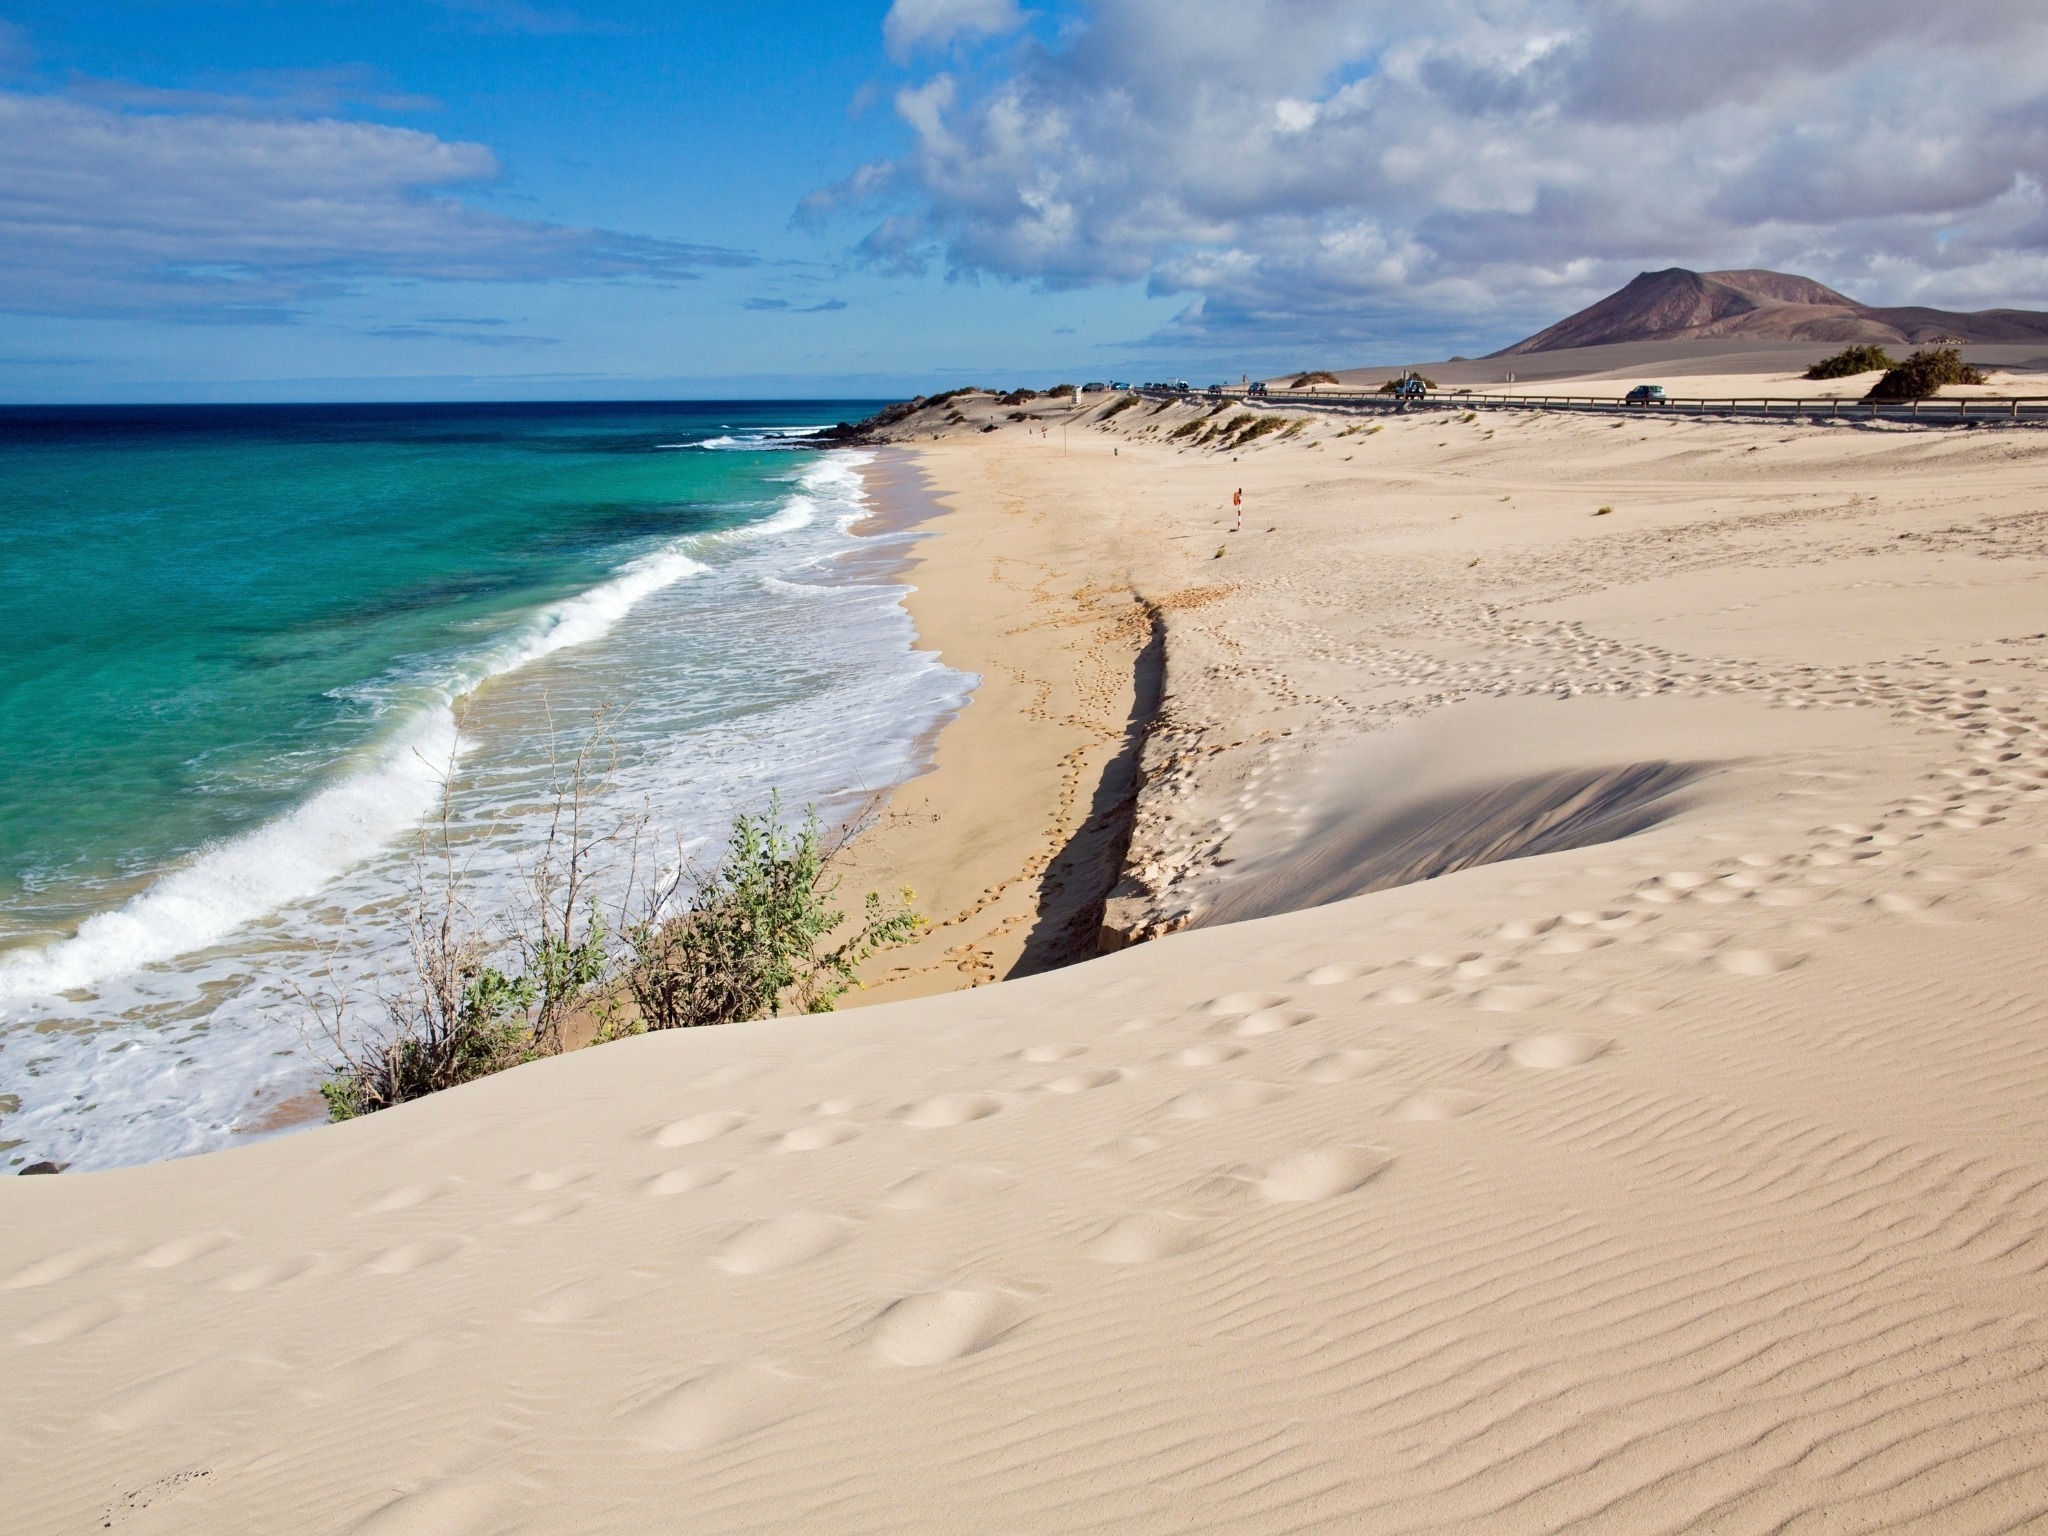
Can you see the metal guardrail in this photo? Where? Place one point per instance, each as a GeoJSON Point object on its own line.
{"type": "Point", "coordinates": [1933, 412]}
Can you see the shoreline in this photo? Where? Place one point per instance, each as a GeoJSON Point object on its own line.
{"type": "Point", "coordinates": [1010, 867]}
{"type": "Point", "coordinates": [1592, 1076]}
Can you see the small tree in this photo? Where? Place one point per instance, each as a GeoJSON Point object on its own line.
{"type": "Point", "coordinates": [1850, 361]}
{"type": "Point", "coordinates": [752, 936]}
{"type": "Point", "coordinates": [1921, 376]}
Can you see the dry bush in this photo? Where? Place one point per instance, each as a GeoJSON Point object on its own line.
{"type": "Point", "coordinates": [1864, 357]}
{"type": "Point", "coordinates": [751, 936]}
{"type": "Point", "coordinates": [457, 1013]}
{"type": "Point", "coordinates": [1921, 376]}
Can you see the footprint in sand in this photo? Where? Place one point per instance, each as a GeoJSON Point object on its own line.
{"type": "Point", "coordinates": [681, 1181]}
{"type": "Point", "coordinates": [1053, 1051]}
{"type": "Point", "coordinates": [1245, 1002]}
{"type": "Point", "coordinates": [1321, 1174]}
{"type": "Point", "coordinates": [1343, 1066]}
{"type": "Point", "coordinates": [445, 1509]}
{"type": "Point", "coordinates": [720, 1405]}
{"type": "Point", "coordinates": [781, 1242]}
{"type": "Point", "coordinates": [182, 1250]}
{"type": "Point", "coordinates": [175, 1395]}
{"type": "Point", "coordinates": [1412, 992]}
{"type": "Point", "coordinates": [1126, 1149]}
{"type": "Point", "coordinates": [1223, 1099]}
{"type": "Point", "coordinates": [1522, 929]}
{"type": "Point", "coordinates": [1437, 1104]}
{"type": "Point", "coordinates": [1604, 917]}
{"type": "Point", "coordinates": [1757, 962]}
{"type": "Point", "coordinates": [277, 1272]}
{"type": "Point", "coordinates": [699, 1128]}
{"type": "Point", "coordinates": [1210, 1053]}
{"type": "Point", "coordinates": [1336, 972]}
{"type": "Point", "coordinates": [546, 1211]}
{"type": "Point", "coordinates": [1575, 943]}
{"type": "Point", "coordinates": [407, 1257]}
{"type": "Point", "coordinates": [1512, 999]}
{"type": "Point", "coordinates": [1146, 1237]}
{"type": "Point", "coordinates": [949, 1110]}
{"type": "Point", "coordinates": [1271, 1021]}
{"type": "Point", "coordinates": [1551, 1052]}
{"type": "Point", "coordinates": [815, 1138]}
{"type": "Point", "coordinates": [407, 1197]}
{"type": "Point", "coordinates": [933, 1327]}
{"type": "Point", "coordinates": [936, 1188]}
{"type": "Point", "coordinates": [70, 1323]}
{"type": "Point", "coordinates": [1442, 960]}
{"type": "Point", "coordinates": [58, 1266]}
{"type": "Point", "coordinates": [1081, 1082]}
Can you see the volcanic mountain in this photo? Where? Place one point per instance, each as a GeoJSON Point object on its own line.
{"type": "Point", "coordinates": [1768, 306]}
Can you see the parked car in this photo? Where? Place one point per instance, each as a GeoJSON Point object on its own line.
{"type": "Point", "coordinates": [1093, 389]}
{"type": "Point", "coordinates": [1410, 388]}
{"type": "Point", "coordinates": [1256, 389]}
{"type": "Point", "coordinates": [1645, 394]}
{"type": "Point", "coordinates": [1119, 385]}
{"type": "Point", "coordinates": [1180, 386]}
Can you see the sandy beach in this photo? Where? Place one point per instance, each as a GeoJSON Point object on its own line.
{"type": "Point", "coordinates": [1571, 1057]}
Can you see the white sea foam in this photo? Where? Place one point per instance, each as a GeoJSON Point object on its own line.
{"type": "Point", "coordinates": [296, 855]}
{"type": "Point", "coordinates": [743, 682]}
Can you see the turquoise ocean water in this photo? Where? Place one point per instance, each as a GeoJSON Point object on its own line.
{"type": "Point", "coordinates": [238, 642]}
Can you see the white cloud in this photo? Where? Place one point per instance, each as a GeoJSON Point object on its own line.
{"type": "Point", "coordinates": [914, 24]}
{"type": "Point", "coordinates": [209, 214]}
{"type": "Point", "coordinates": [1362, 169]}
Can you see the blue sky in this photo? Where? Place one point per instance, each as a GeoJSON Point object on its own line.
{"type": "Point", "coordinates": [697, 123]}
{"type": "Point", "coordinates": [540, 198]}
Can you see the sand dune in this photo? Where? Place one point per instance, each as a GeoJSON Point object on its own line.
{"type": "Point", "coordinates": [1685, 1172]}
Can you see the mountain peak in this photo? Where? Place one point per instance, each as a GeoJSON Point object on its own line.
{"type": "Point", "coordinates": [1680, 304]}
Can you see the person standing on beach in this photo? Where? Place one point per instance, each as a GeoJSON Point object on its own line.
{"type": "Point", "coordinates": [1237, 506]}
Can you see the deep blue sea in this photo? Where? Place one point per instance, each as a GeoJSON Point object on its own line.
{"type": "Point", "coordinates": [243, 644]}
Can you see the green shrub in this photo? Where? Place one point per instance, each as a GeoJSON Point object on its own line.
{"type": "Point", "coordinates": [1850, 361]}
{"type": "Point", "coordinates": [1318, 377]}
{"type": "Point", "coordinates": [1258, 428]}
{"type": "Point", "coordinates": [1921, 376]}
{"type": "Point", "coordinates": [1123, 403]}
{"type": "Point", "coordinates": [437, 1041]}
{"type": "Point", "coordinates": [752, 937]}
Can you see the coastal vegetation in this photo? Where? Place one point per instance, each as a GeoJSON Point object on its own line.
{"type": "Point", "coordinates": [480, 992]}
{"type": "Point", "coordinates": [1921, 376]}
{"type": "Point", "coordinates": [751, 935]}
{"type": "Point", "coordinates": [1864, 357]}
{"type": "Point", "coordinates": [1320, 376]}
